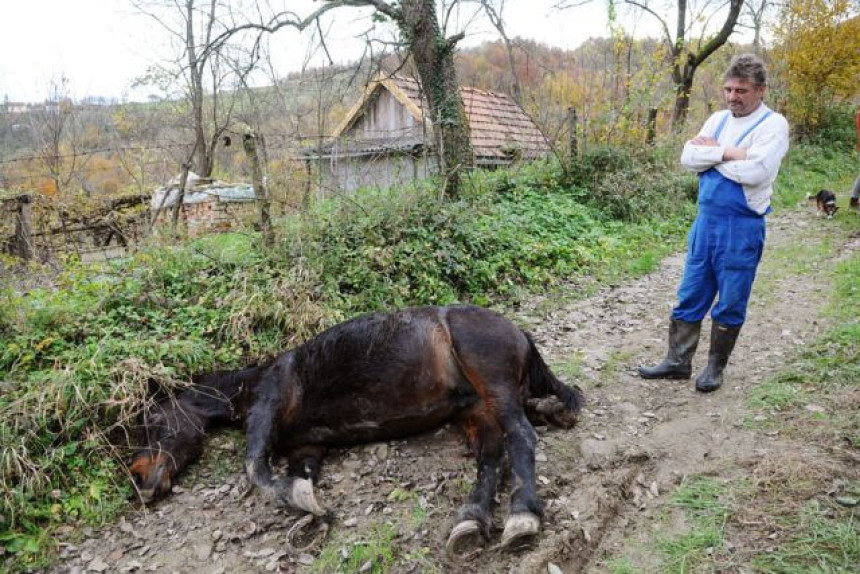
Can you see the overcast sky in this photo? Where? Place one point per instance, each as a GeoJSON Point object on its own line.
{"type": "Point", "coordinates": [103, 45]}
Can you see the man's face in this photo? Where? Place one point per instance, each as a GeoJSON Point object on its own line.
{"type": "Point", "coordinates": [742, 96]}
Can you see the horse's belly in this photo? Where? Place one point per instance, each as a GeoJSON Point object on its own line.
{"type": "Point", "coordinates": [367, 421]}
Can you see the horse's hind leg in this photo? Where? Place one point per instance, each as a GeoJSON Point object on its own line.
{"type": "Point", "coordinates": [305, 461]}
{"type": "Point", "coordinates": [526, 510]}
{"type": "Point", "coordinates": [486, 442]}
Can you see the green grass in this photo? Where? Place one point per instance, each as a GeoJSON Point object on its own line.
{"type": "Point", "coordinates": [570, 367]}
{"type": "Point", "coordinates": [808, 168]}
{"type": "Point", "coordinates": [822, 537]}
{"type": "Point", "coordinates": [621, 565]}
{"type": "Point", "coordinates": [375, 547]}
{"type": "Point", "coordinates": [613, 364]}
{"type": "Point", "coordinates": [703, 502]}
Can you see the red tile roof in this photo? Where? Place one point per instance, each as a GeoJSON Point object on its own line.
{"type": "Point", "coordinates": [499, 127]}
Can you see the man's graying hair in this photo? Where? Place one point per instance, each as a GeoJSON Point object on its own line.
{"type": "Point", "coordinates": [747, 67]}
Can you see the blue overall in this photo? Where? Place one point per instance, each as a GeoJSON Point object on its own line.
{"type": "Point", "coordinates": [725, 245]}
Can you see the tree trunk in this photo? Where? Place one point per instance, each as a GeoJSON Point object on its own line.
{"type": "Point", "coordinates": [682, 98]}
{"type": "Point", "coordinates": [686, 62]}
{"type": "Point", "coordinates": [434, 59]}
{"type": "Point", "coordinates": [203, 166]}
{"type": "Point", "coordinates": [249, 143]}
{"type": "Point", "coordinates": [180, 196]}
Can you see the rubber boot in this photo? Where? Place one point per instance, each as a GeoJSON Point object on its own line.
{"type": "Point", "coordinates": [723, 340]}
{"type": "Point", "coordinates": [678, 364]}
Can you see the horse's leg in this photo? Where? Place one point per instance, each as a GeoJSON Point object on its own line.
{"type": "Point", "coordinates": [260, 430]}
{"type": "Point", "coordinates": [305, 461]}
{"type": "Point", "coordinates": [486, 442]}
{"type": "Point", "coordinates": [526, 510]}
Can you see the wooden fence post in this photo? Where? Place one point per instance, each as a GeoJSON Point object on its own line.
{"type": "Point", "coordinates": [22, 242]}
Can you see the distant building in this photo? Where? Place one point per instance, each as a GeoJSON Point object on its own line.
{"type": "Point", "coordinates": [386, 139]}
{"type": "Point", "coordinates": [17, 107]}
{"type": "Point", "coordinates": [207, 206]}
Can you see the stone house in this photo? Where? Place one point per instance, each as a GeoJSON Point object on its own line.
{"type": "Point", "coordinates": [386, 139]}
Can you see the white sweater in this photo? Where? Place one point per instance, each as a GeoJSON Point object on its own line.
{"type": "Point", "coordinates": [766, 145]}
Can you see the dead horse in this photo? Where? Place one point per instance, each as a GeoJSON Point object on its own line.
{"type": "Point", "coordinates": [373, 378]}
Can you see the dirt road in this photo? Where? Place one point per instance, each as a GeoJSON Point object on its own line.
{"type": "Point", "coordinates": [606, 484]}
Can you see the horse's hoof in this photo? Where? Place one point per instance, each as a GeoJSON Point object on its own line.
{"type": "Point", "coordinates": [465, 539]}
{"type": "Point", "coordinates": [302, 496]}
{"type": "Point", "coordinates": [519, 527]}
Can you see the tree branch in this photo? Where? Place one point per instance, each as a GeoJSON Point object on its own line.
{"type": "Point", "coordinates": [722, 36]}
{"type": "Point", "coordinates": [663, 24]}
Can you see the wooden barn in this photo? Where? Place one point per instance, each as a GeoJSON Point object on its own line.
{"type": "Point", "coordinates": [386, 140]}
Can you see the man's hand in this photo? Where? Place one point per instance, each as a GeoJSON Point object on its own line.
{"type": "Point", "coordinates": [734, 153]}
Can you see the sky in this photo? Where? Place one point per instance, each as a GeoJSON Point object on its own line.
{"type": "Point", "coordinates": [102, 46]}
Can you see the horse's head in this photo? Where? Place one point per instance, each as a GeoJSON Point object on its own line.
{"type": "Point", "coordinates": [153, 467]}
{"type": "Point", "coordinates": [151, 473]}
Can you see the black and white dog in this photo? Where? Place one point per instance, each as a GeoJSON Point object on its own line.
{"type": "Point", "coordinates": [825, 201]}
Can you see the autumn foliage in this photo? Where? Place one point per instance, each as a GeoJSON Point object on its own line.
{"type": "Point", "coordinates": [818, 56]}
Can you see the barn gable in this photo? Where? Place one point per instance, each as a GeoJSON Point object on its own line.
{"type": "Point", "coordinates": [386, 137]}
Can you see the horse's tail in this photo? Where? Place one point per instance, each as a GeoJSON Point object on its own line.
{"type": "Point", "coordinates": [543, 382]}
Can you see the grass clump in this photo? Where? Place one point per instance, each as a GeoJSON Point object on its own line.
{"type": "Point", "coordinates": [822, 537]}
{"type": "Point", "coordinates": [702, 500]}
{"type": "Point", "coordinates": [375, 549]}
{"type": "Point", "coordinates": [795, 496]}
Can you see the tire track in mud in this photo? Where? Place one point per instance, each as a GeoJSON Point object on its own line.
{"type": "Point", "coordinates": [600, 481]}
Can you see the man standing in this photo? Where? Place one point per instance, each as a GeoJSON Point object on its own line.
{"type": "Point", "coordinates": [737, 155]}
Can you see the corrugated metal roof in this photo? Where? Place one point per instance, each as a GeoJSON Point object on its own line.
{"type": "Point", "coordinates": [500, 128]}
{"type": "Point", "coordinates": [198, 192]}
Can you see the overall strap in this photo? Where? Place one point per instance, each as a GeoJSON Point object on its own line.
{"type": "Point", "coordinates": [721, 125]}
{"type": "Point", "coordinates": [752, 127]}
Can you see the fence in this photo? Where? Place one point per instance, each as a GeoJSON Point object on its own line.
{"type": "Point", "coordinates": [33, 227]}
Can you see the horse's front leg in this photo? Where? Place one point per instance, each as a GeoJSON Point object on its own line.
{"type": "Point", "coordinates": [526, 509]}
{"type": "Point", "coordinates": [487, 444]}
{"type": "Point", "coordinates": [260, 435]}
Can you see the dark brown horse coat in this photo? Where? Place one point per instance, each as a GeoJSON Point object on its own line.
{"type": "Point", "coordinates": [374, 378]}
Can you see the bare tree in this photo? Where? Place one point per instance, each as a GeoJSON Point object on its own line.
{"type": "Point", "coordinates": [56, 135]}
{"type": "Point", "coordinates": [494, 12]}
{"type": "Point", "coordinates": [433, 56]}
{"type": "Point", "coordinates": [753, 17]}
{"type": "Point", "coordinates": [687, 54]}
{"type": "Point", "coordinates": [193, 24]}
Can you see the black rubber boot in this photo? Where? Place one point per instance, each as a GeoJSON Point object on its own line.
{"type": "Point", "coordinates": [678, 364]}
{"type": "Point", "coordinates": [723, 340]}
